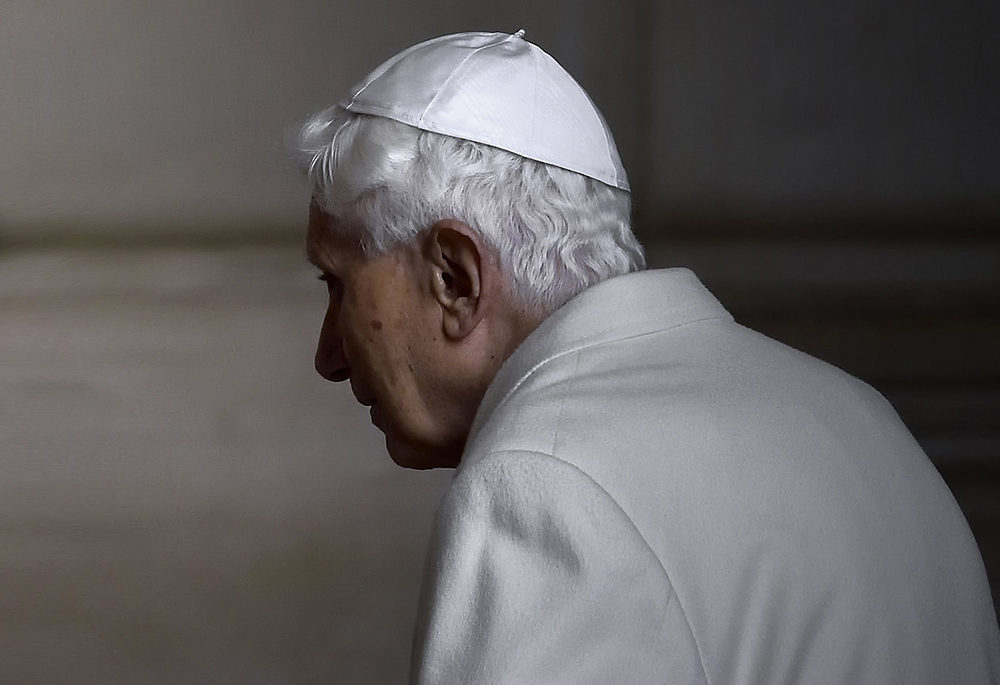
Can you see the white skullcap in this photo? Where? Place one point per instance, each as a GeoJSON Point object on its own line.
{"type": "Point", "coordinates": [497, 89]}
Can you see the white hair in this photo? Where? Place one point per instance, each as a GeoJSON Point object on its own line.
{"type": "Point", "coordinates": [555, 232]}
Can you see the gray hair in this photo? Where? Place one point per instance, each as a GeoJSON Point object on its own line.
{"type": "Point", "coordinates": [555, 232]}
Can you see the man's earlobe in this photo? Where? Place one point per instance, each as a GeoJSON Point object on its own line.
{"type": "Point", "coordinates": [454, 256]}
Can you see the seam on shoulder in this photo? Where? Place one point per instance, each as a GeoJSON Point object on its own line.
{"type": "Point", "coordinates": [562, 406]}
{"type": "Point", "coordinates": [585, 345]}
{"type": "Point", "coordinates": [701, 659]}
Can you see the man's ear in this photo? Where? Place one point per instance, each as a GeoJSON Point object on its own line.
{"type": "Point", "coordinates": [455, 257]}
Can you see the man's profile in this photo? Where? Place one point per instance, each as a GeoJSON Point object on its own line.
{"type": "Point", "coordinates": [645, 491]}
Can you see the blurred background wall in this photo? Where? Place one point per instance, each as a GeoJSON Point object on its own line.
{"type": "Point", "coordinates": [166, 117]}
{"type": "Point", "coordinates": [183, 500]}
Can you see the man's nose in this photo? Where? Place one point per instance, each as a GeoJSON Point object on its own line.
{"type": "Point", "coordinates": [331, 362]}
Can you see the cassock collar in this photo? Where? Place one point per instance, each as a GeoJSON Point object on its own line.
{"type": "Point", "coordinates": [621, 307]}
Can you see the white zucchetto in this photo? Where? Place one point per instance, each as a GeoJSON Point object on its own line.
{"type": "Point", "coordinates": [497, 89]}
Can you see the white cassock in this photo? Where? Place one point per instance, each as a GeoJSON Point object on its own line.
{"type": "Point", "coordinates": [652, 493]}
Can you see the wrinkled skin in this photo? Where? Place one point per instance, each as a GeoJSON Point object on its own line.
{"type": "Point", "coordinates": [419, 333]}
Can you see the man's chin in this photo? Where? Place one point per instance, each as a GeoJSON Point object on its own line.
{"type": "Point", "coordinates": [412, 455]}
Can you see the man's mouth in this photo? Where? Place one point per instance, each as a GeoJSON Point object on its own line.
{"type": "Point", "coordinates": [369, 401]}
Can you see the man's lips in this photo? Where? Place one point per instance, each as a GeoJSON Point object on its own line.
{"type": "Point", "coordinates": [368, 401]}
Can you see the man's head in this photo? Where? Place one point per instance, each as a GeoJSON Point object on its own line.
{"type": "Point", "coordinates": [442, 253]}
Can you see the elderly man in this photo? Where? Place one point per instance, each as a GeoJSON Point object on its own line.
{"type": "Point", "coordinates": [646, 492]}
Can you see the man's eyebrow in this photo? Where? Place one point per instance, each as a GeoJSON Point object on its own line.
{"type": "Point", "coordinates": [311, 253]}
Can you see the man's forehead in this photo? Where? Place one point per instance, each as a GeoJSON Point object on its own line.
{"type": "Point", "coordinates": [318, 247]}
{"type": "Point", "coordinates": [325, 245]}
